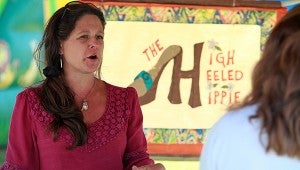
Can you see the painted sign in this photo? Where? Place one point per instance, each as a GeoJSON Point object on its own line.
{"type": "Point", "coordinates": [186, 75]}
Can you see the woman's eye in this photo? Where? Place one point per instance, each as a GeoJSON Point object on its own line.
{"type": "Point", "coordinates": [84, 37]}
{"type": "Point", "coordinates": [99, 37]}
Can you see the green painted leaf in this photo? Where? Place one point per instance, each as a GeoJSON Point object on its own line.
{"type": "Point", "coordinates": [224, 87]}
{"type": "Point", "coordinates": [218, 48]}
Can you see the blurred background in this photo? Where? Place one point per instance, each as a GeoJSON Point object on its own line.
{"type": "Point", "coordinates": [21, 26]}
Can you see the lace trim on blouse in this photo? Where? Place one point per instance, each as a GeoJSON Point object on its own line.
{"type": "Point", "coordinates": [105, 129]}
{"type": "Point", "coordinates": [134, 155]}
{"type": "Point", "coordinates": [10, 166]}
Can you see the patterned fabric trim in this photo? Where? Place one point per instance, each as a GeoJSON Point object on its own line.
{"type": "Point", "coordinates": [10, 166]}
{"type": "Point", "coordinates": [133, 155]}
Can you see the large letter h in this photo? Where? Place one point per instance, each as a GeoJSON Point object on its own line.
{"type": "Point", "coordinates": [194, 74]}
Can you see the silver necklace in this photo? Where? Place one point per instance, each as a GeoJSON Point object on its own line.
{"type": "Point", "coordinates": [84, 105]}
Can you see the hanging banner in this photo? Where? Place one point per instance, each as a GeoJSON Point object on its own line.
{"type": "Point", "coordinates": [188, 63]}
{"type": "Point", "coordinates": [186, 75]}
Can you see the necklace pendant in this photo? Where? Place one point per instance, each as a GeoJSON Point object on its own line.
{"type": "Point", "coordinates": [85, 105]}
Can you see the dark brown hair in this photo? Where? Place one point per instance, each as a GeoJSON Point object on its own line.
{"type": "Point", "coordinates": [276, 86]}
{"type": "Point", "coordinates": [55, 95]}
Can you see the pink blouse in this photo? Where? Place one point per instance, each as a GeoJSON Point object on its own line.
{"type": "Point", "coordinates": [115, 141]}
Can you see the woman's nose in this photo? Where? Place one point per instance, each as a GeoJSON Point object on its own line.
{"type": "Point", "coordinates": [94, 43]}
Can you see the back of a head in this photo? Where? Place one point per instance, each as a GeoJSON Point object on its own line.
{"type": "Point", "coordinates": [276, 86]}
{"type": "Point", "coordinates": [288, 25]}
{"type": "Point", "coordinates": [272, 65]}
{"type": "Point", "coordinates": [266, 72]}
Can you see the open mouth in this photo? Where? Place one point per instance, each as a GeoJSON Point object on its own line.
{"type": "Point", "coordinates": [93, 57]}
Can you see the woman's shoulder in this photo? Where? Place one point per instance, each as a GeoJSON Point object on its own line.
{"type": "Point", "coordinates": [27, 101]}
{"type": "Point", "coordinates": [30, 91]}
{"type": "Point", "coordinates": [235, 123]}
{"type": "Point", "coordinates": [242, 113]}
{"type": "Point", "coordinates": [237, 120]}
{"type": "Point", "coordinates": [119, 89]}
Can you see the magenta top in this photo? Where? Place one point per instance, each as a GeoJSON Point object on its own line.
{"type": "Point", "coordinates": [116, 141]}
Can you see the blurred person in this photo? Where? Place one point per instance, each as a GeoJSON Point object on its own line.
{"type": "Point", "coordinates": [73, 119]}
{"type": "Point", "coordinates": [263, 132]}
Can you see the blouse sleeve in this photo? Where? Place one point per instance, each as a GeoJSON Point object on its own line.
{"type": "Point", "coordinates": [21, 150]}
{"type": "Point", "coordinates": [136, 149]}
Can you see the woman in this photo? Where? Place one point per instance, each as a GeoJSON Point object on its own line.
{"type": "Point", "coordinates": [74, 120]}
{"type": "Point", "coordinates": [263, 133]}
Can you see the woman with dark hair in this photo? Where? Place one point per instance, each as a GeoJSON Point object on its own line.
{"type": "Point", "coordinates": [263, 132]}
{"type": "Point", "coordinates": [73, 119]}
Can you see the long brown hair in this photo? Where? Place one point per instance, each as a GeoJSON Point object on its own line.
{"type": "Point", "coordinates": [55, 95]}
{"type": "Point", "coordinates": [276, 86]}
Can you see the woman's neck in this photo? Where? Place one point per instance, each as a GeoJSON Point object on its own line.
{"type": "Point", "coordinates": [81, 85]}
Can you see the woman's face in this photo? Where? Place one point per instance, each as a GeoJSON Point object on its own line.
{"type": "Point", "coordinates": [82, 50]}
